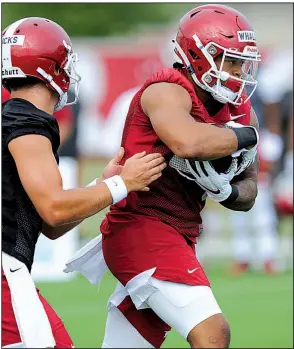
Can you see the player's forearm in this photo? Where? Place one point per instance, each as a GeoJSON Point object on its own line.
{"type": "Point", "coordinates": [211, 142]}
{"type": "Point", "coordinates": [69, 206]}
{"type": "Point", "coordinates": [245, 185]}
{"type": "Point", "coordinates": [56, 232]}
{"type": "Point", "coordinates": [247, 192]}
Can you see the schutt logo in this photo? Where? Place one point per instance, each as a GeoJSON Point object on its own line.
{"type": "Point", "coordinates": [9, 72]}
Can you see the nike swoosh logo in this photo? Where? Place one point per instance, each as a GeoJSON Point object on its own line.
{"type": "Point", "coordinates": [192, 271]}
{"type": "Point", "coordinates": [234, 117]}
{"type": "Point", "coordinates": [210, 190]}
{"type": "Point", "coordinates": [13, 270]}
{"type": "Point", "coordinates": [115, 183]}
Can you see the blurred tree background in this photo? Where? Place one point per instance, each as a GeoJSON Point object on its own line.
{"type": "Point", "coordinates": [96, 19]}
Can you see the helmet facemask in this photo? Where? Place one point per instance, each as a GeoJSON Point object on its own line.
{"type": "Point", "coordinates": [71, 72]}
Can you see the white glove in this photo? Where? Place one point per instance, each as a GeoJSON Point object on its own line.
{"type": "Point", "coordinates": [247, 158]}
{"type": "Point", "coordinates": [216, 185]}
{"type": "Point", "coordinates": [247, 155]}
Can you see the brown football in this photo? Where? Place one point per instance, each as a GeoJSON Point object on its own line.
{"type": "Point", "coordinates": [222, 165]}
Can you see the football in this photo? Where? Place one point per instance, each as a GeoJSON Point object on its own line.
{"type": "Point", "coordinates": [222, 165]}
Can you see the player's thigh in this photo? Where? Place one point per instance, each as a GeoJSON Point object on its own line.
{"type": "Point", "coordinates": [61, 336]}
{"type": "Point", "coordinates": [120, 333]}
{"type": "Point", "coordinates": [185, 307]}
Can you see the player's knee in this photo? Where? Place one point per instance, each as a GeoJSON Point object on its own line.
{"type": "Point", "coordinates": [221, 338]}
{"type": "Point", "coordinates": [211, 333]}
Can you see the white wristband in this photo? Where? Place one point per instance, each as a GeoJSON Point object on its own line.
{"type": "Point", "coordinates": [92, 183]}
{"type": "Point", "coordinates": [117, 188]}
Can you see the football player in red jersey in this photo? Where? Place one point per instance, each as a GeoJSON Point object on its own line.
{"type": "Point", "coordinates": [38, 65]}
{"type": "Point", "coordinates": [149, 238]}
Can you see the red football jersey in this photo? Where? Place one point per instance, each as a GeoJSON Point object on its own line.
{"type": "Point", "coordinates": [172, 199]}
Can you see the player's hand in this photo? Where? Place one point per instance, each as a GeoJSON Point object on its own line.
{"type": "Point", "coordinates": [247, 155]}
{"type": "Point", "coordinates": [113, 168]}
{"type": "Point", "coordinates": [247, 158]}
{"type": "Point", "coordinates": [140, 170]}
{"type": "Point", "coordinates": [216, 185]}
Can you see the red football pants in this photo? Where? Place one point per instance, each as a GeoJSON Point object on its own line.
{"type": "Point", "coordinates": [10, 334]}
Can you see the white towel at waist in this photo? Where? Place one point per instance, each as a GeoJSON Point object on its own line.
{"type": "Point", "coordinates": [32, 321]}
{"type": "Point", "coordinates": [89, 261]}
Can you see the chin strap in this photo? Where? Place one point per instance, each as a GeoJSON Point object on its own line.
{"type": "Point", "coordinates": [62, 95]}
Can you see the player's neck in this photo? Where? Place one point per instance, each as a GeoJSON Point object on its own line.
{"type": "Point", "coordinates": [39, 95]}
{"type": "Point", "coordinates": [210, 104]}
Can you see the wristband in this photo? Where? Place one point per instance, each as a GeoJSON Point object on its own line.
{"type": "Point", "coordinates": [92, 183]}
{"type": "Point", "coordinates": [233, 196]}
{"type": "Point", "coordinates": [247, 136]}
{"type": "Point", "coordinates": [117, 188]}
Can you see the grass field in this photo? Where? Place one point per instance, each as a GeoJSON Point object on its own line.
{"type": "Point", "coordinates": [259, 309]}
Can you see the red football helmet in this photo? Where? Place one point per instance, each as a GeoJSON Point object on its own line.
{"type": "Point", "coordinates": [212, 30]}
{"type": "Point", "coordinates": [40, 48]}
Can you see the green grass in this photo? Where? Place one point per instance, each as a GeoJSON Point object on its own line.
{"type": "Point", "coordinates": [259, 309]}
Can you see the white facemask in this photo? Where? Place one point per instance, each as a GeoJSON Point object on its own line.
{"type": "Point", "coordinates": [218, 91]}
{"type": "Point", "coordinates": [70, 69]}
